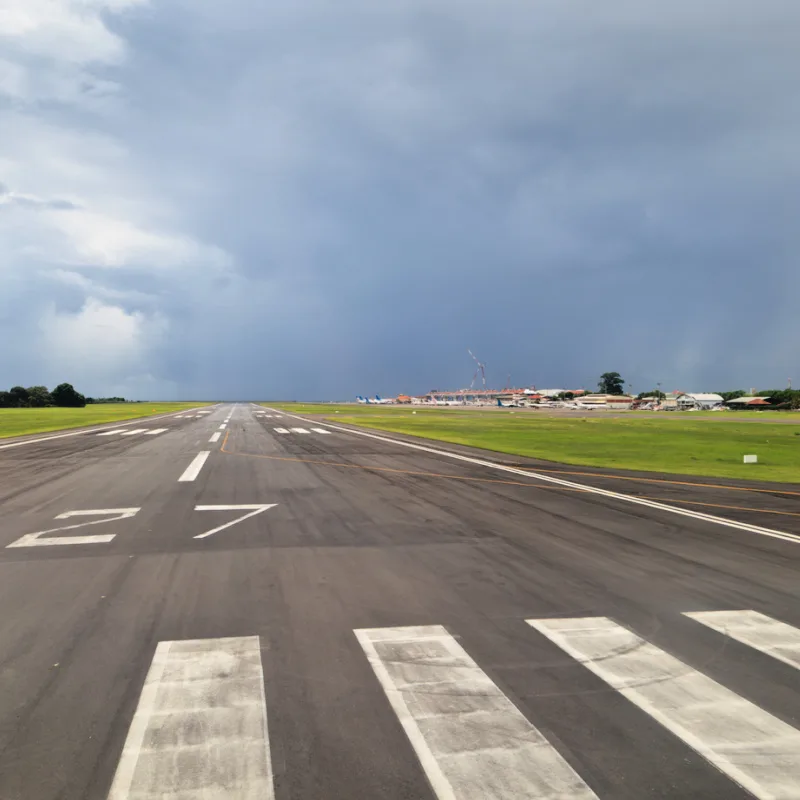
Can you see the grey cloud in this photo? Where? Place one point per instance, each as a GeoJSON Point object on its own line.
{"type": "Point", "coordinates": [563, 188]}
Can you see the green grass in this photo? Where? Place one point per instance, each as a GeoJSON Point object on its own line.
{"type": "Point", "coordinates": [22, 421]}
{"type": "Point", "coordinates": [689, 444]}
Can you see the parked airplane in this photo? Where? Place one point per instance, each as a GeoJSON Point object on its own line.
{"type": "Point", "coordinates": [377, 401]}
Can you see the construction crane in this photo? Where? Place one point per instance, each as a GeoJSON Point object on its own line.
{"type": "Point", "coordinates": [479, 368]}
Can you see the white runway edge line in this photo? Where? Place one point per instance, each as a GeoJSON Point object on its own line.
{"type": "Point", "coordinates": [193, 470]}
{"type": "Point", "coordinates": [728, 523]}
{"type": "Point", "coordinates": [767, 635]}
{"type": "Point", "coordinates": [215, 437]}
{"type": "Point", "coordinates": [201, 724]}
{"type": "Point", "coordinates": [85, 431]}
{"type": "Point", "coordinates": [471, 740]}
{"type": "Point", "coordinates": [758, 751]}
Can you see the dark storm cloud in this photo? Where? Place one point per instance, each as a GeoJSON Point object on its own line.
{"type": "Point", "coordinates": [564, 188]}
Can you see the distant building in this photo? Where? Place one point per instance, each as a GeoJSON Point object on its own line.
{"type": "Point", "coordinates": [749, 402]}
{"type": "Point", "coordinates": [670, 401]}
{"type": "Point", "coordinates": [612, 402]}
{"type": "Point", "coordinates": [699, 401]}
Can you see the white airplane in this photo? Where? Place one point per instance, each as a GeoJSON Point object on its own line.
{"type": "Point", "coordinates": [376, 402]}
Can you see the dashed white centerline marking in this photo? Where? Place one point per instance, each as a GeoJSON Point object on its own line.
{"type": "Point", "coordinates": [757, 750]}
{"type": "Point", "coordinates": [281, 430]}
{"type": "Point", "coordinates": [471, 740]}
{"type": "Point", "coordinates": [215, 437]}
{"type": "Point", "coordinates": [299, 430]}
{"type": "Point", "coordinates": [156, 431]}
{"type": "Point", "coordinates": [223, 426]}
{"type": "Point", "coordinates": [200, 728]}
{"type": "Point", "coordinates": [135, 432]}
{"type": "Point", "coordinates": [769, 636]}
{"type": "Point", "coordinates": [321, 430]}
{"type": "Point", "coordinates": [193, 470]}
{"type": "Point", "coordinates": [115, 432]}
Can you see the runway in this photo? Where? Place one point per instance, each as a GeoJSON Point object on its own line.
{"type": "Point", "coordinates": [240, 603]}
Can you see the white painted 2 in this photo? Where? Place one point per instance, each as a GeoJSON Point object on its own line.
{"type": "Point", "coordinates": [472, 741]}
{"type": "Point", "coordinates": [755, 749]}
{"type": "Point", "coordinates": [200, 728]}
{"type": "Point", "coordinates": [769, 636]}
{"type": "Point", "coordinates": [41, 539]}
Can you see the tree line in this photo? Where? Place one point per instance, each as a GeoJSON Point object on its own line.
{"type": "Point", "coordinates": [63, 396]}
{"type": "Point", "coordinates": [613, 383]}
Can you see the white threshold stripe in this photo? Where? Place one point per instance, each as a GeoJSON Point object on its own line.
{"type": "Point", "coordinates": [321, 430]}
{"type": "Point", "coordinates": [755, 749]}
{"type": "Point", "coordinates": [728, 523]}
{"type": "Point", "coordinates": [156, 431]}
{"type": "Point", "coordinates": [281, 430]}
{"type": "Point", "coordinates": [200, 728]}
{"type": "Point", "coordinates": [86, 431]}
{"type": "Point", "coordinates": [471, 740]}
{"type": "Point", "coordinates": [135, 432]}
{"type": "Point", "coordinates": [193, 470]}
{"type": "Point", "coordinates": [769, 636]}
{"type": "Point", "coordinates": [215, 437]}
{"type": "Point", "coordinates": [299, 430]}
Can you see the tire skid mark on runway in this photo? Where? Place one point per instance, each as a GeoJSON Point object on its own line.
{"type": "Point", "coordinates": [501, 481]}
{"type": "Point", "coordinates": [724, 522]}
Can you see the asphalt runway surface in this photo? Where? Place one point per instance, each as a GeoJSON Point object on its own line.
{"type": "Point", "coordinates": [239, 603]}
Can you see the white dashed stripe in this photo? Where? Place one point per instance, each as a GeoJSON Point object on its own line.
{"type": "Point", "coordinates": [200, 729]}
{"type": "Point", "coordinates": [755, 749]}
{"type": "Point", "coordinates": [776, 639]}
{"type": "Point", "coordinates": [471, 740]}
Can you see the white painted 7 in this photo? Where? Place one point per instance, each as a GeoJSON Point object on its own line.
{"type": "Point", "coordinates": [41, 539]}
{"type": "Point", "coordinates": [757, 750]}
{"type": "Point", "coordinates": [253, 509]}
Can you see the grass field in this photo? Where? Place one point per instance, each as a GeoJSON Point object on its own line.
{"type": "Point", "coordinates": [690, 444]}
{"type": "Point", "coordinates": [22, 421]}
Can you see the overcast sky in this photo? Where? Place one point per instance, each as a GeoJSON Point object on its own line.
{"type": "Point", "coordinates": [282, 199]}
